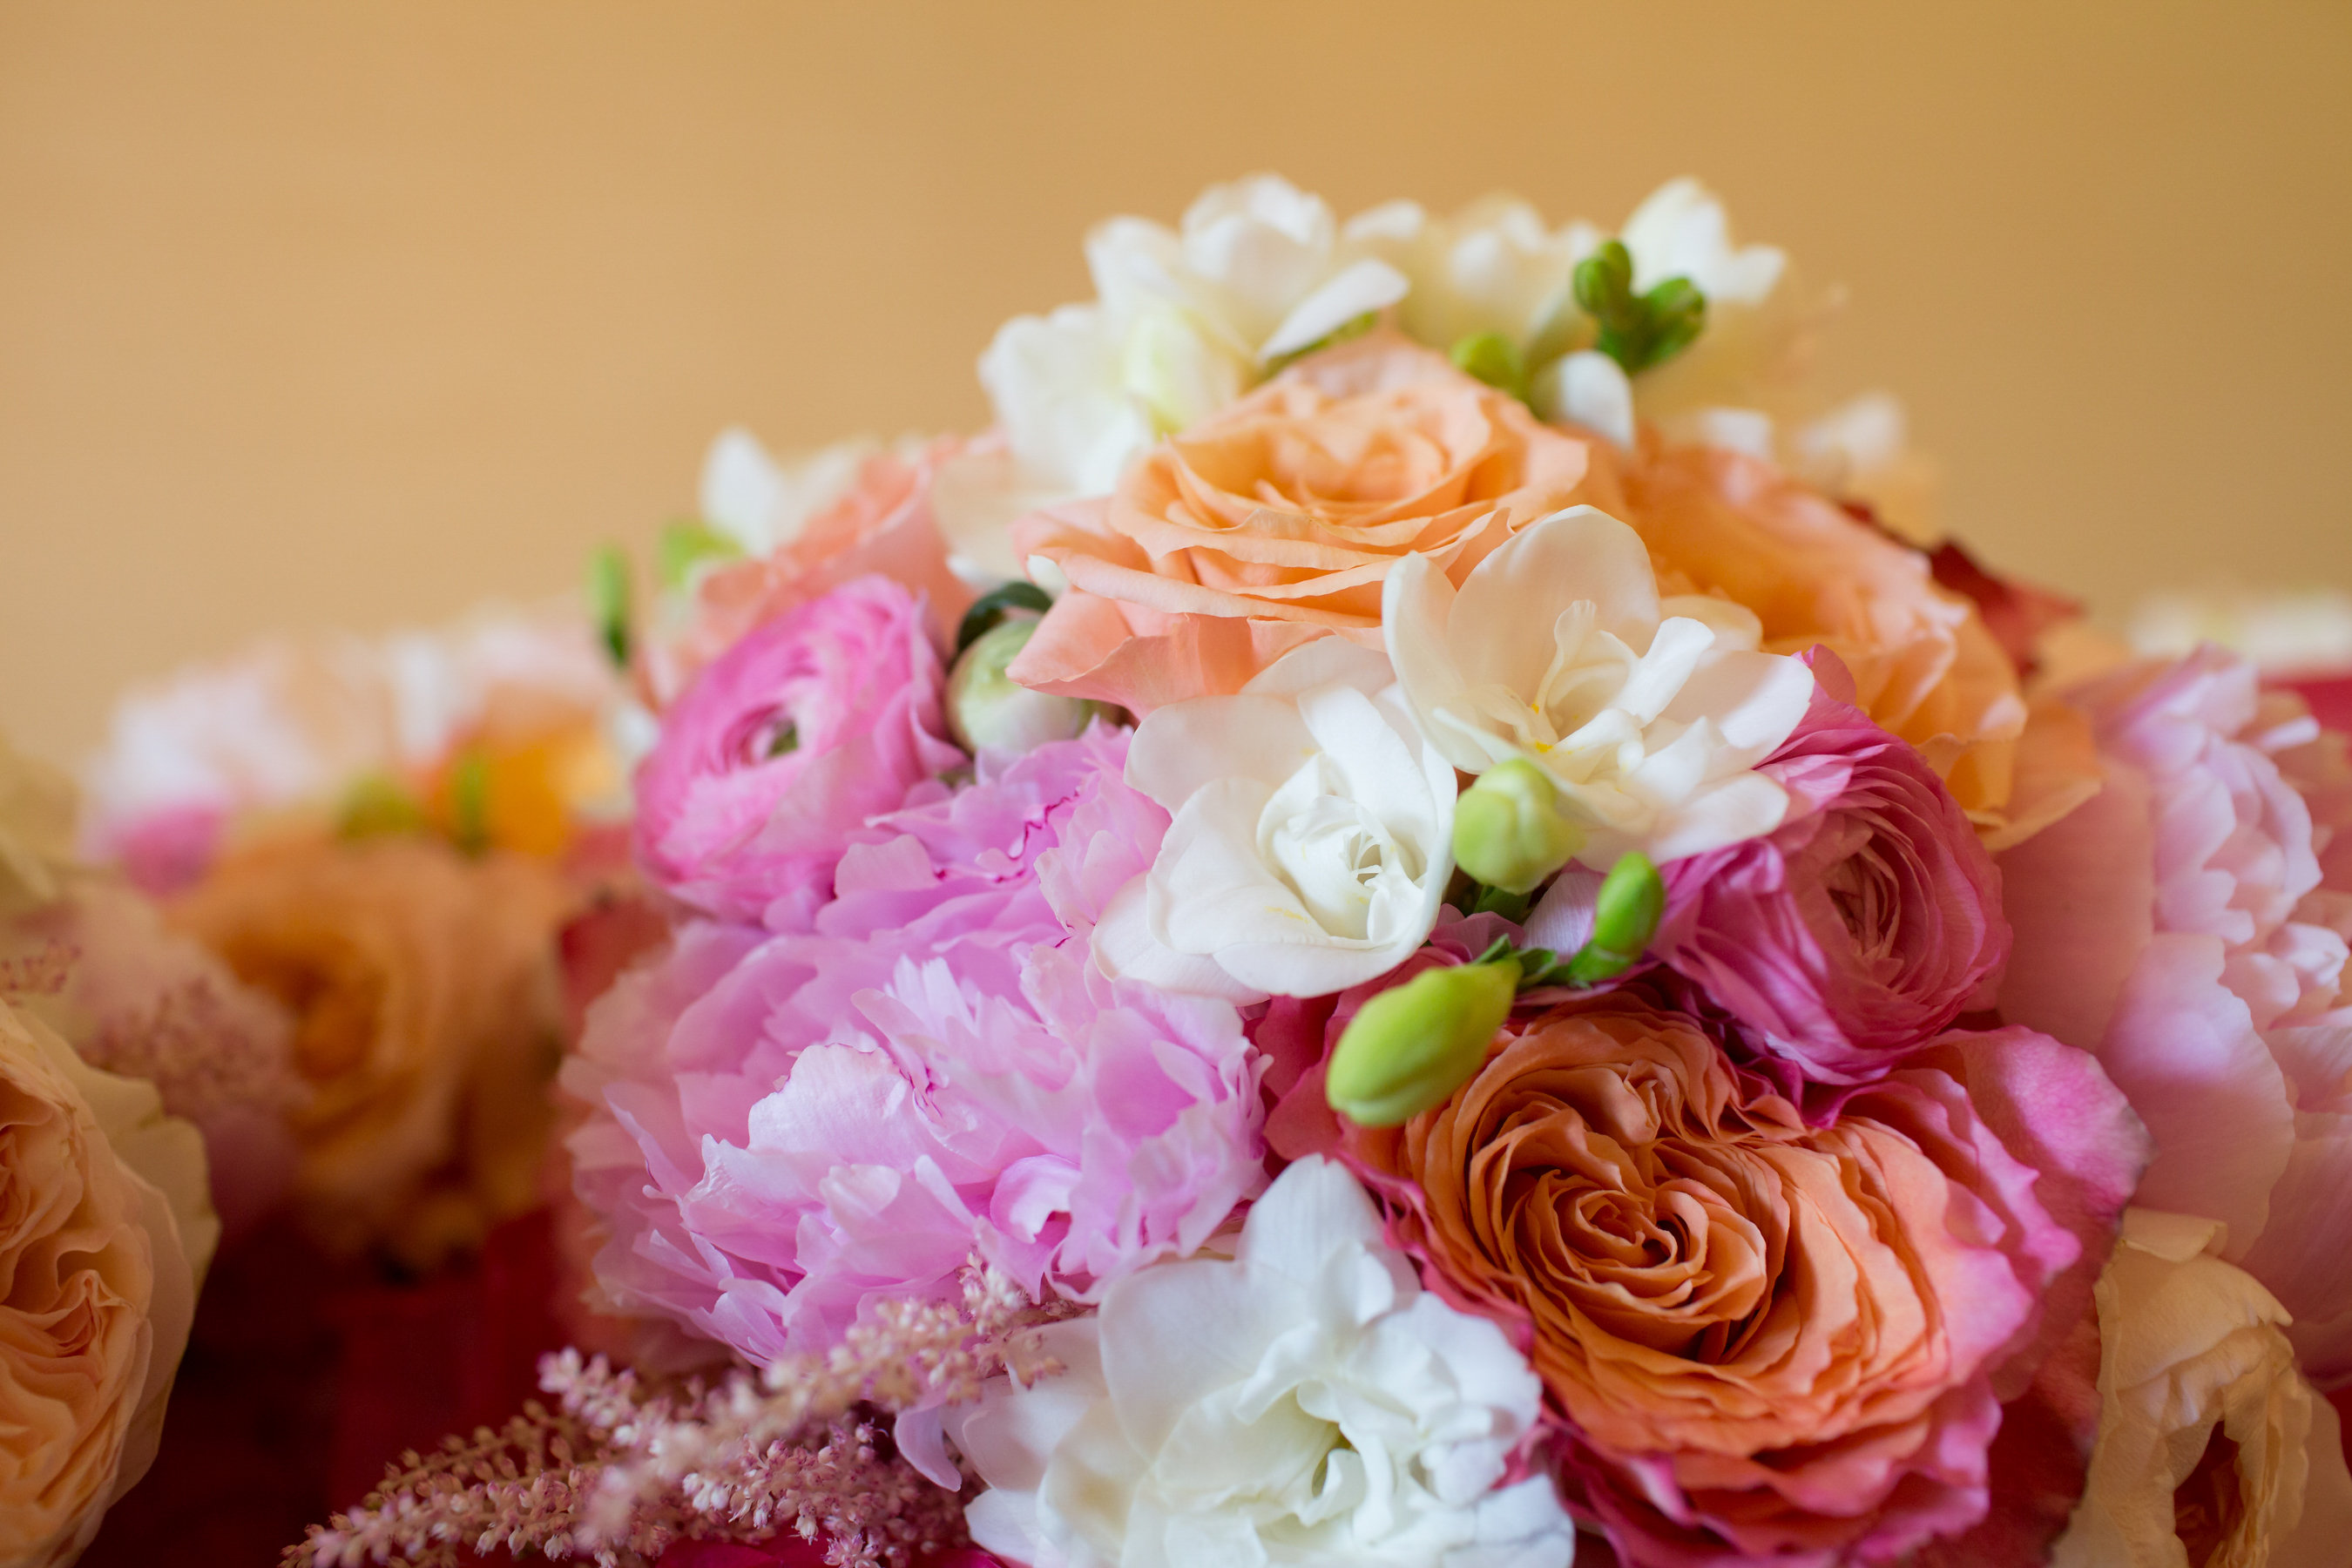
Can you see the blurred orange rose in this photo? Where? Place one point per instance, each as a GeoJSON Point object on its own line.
{"type": "Point", "coordinates": [427, 1024]}
{"type": "Point", "coordinates": [1925, 665]}
{"type": "Point", "coordinates": [1275, 521]}
{"type": "Point", "coordinates": [104, 1235]}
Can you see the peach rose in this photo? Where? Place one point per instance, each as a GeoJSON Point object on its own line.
{"type": "Point", "coordinates": [1768, 1337]}
{"type": "Point", "coordinates": [883, 524]}
{"type": "Point", "coordinates": [104, 1237]}
{"type": "Point", "coordinates": [1928, 669]}
{"type": "Point", "coordinates": [1275, 523]}
{"type": "Point", "coordinates": [427, 1024]}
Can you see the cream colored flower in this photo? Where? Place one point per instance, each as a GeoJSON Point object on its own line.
{"type": "Point", "coordinates": [105, 1233]}
{"type": "Point", "coordinates": [37, 827]}
{"type": "Point", "coordinates": [2212, 1450]}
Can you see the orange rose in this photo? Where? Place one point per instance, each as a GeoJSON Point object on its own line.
{"type": "Point", "coordinates": [1925, 665]}
{"type": "Point", "coordinates": [427, 1024]}
{"type": "Point", "coordinates": [1275, 521]}
{"type": "Point", "coordinates": [1778, 1334]}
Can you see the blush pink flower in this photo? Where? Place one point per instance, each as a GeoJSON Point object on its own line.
{"type": "Point", "coordinates": [820, 719]}
{"type": "Point", "coordinates": [1771, 1336]}
{"type": "Point", "coordinates": [2183, 926]}
{"type": "Point", "coordinates": [1859, 929]}
{"type": "Point", "coordinates": [788, 1127]}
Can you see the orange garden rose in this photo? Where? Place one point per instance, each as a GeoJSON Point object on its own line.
{"type": "Point", "coordinates": [427, 1023]}
{"type": "Point", "coordinates": [1765, 1335]}
{"type": "Point", "coordinates": [104, 1235]}
{"type": "Point", "coordinates": [1276, 522]}
{"type": "Point", "coordinates": [1925, 665]}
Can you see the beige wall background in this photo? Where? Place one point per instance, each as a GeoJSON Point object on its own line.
{"type": "Point", "coordinates": [347, 313]}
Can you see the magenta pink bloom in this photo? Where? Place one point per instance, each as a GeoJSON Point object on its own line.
{"type": "Point", "coordinates": [1858, 929]}
{"type": "Point", "coordinates": [2185, 925]}
{"type": "Point", "coordinates": [786, 745]}
{"type": "Point", "coordinates": [791, 1127]}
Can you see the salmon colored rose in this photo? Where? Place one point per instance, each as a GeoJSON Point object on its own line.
{"type": "Point", "coordinates": [882, 524]}
{"type": "Point", "coordinates": [1771, 1338]}
{"type": "Point", "coordinates": [1927, 667]}
{"type": "Point", "coordinates": [427, 1023]}
{"type": "Point", "coordinates": [104, 1237]}
{"type": "Point", "coordinates": [1276, 522]}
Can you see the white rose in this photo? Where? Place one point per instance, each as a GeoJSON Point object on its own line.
{"type": "Point", "coordinates": [2205, 1426]}
{"type": "Point", "coordinates": [1312, 840]}
{"type": "Point", "coordinates": [1650, 715]}
{"type": "Point", "coordinates": [1304, 1404]}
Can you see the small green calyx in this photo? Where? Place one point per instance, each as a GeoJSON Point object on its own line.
{"type": "Point", "coordinates": [1637, 331]}
{"type": "Point", "coordinates": [1412, 1046]}
{"type": "Point", "coordinates": [608, 600]}
{"type": "Point", "coordinates": [1494, 359]}
{"type": "Point", "coordinates": [989, 610]}
{"type": "Point", "coordinates": [684, 543]}
{"type": "Point", "coordinates": [1509, 831]}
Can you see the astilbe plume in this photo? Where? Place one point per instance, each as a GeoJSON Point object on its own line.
{"type": "Point", "coordinates": [616, 1471]}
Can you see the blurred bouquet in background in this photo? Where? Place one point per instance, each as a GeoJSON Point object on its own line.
{"type": "Point", "coordinates": [1416, 915]}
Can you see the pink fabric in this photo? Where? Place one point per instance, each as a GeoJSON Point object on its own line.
{"type": "Point", "coordinates": [820, 718]}
{"type": "Point", "coordinates": [788, 1127]}
{"type": "Point", "coordinates": [2189, 925]}
{"type": "Point", "coordinates": [1858, 929]}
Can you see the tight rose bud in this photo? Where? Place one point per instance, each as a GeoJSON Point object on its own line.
{"type": "Point", "coordinates": [985, 709]}
{"type": "Point", "coordinates": [1413, 1044]}
{"type": "Point", "coordinates": [1508, 827]}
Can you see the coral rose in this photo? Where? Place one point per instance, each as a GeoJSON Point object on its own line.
{"type": "Point", "coordinates": [824, 717]}
{"type": "Point", "coordinates": [104, 1237]}
{"type": "Point", "coordinates": [1860, 927]}
{"type": "Point", "coordinates": [1770, 1338]}
{"type": "Point", "coordinates": [427, 1022]}
{"type": "Point", "coordinates": [1925, 665]}
{"type": "Point", "coordinates": [1275, 521]}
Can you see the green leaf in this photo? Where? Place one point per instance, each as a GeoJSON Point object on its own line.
{"type": "Point", "coordinates": [991, 608]}
{"type": "Point", "coordinates": [608, 600]}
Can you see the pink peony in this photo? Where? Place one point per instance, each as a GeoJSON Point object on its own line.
{"type": "Point", "coordinates": [1860, 928]}
{"type": "Point", "coordinates": [2184, 925]}
{"type": "Point", "coordinates": [790, 1128]}
{"type": "Point", "coordinates": [818, 720]}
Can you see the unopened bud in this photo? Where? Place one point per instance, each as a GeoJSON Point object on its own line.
{"type": "Point", "coordinates": [986, 708]}
{"type": "Point", "coordinates": [1493, 359]}
{"type": "Point", "coordinates": [1624, 918]}
{"type": "Point", "coordinates": [1508, 827]}
{"type": "Point", "coordinates": [1412, 1045]}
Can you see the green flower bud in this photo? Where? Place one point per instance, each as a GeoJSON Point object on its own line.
{"type": "Point", "coordinates": [1508, 827]}
{"type": "Point", "coordinates": [1495, 360]}
{"type": "Point", "coordinates": [684, 545]}
{"type": "Point", "coordinates": [469, 801]}
{"type": "Point", "coordinates": [990, 609]}
{"type": "Point", "coordinates": [1624, 918]}
{"type": "Point", "coordinates": [985, 708]}
{"type": "Point", "coordinates": [378, 805]}
{"type": "Point", "coordinates": [1415, 1044]}
{"type": "Point", "coordinates": [608, 600]}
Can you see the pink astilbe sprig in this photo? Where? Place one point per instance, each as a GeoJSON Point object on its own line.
{"type": "Point", "coordinates": [619, 1471]}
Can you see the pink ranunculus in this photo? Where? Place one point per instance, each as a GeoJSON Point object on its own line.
{"type": "Point", "coordinates": [820, 719]}
{"type": "Point", "coordinates": [2182, 924]}
{"type": "Point", "coordinates": [1859, 929]}
{"type": "Point", "coordinates": [787, 1128]}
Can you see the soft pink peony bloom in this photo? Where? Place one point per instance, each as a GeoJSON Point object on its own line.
{"type": "Point", "coordinates": [788, 1128]}
{"type": "Point", "coordinates": [1860, 928]}
{"type": "Point", "coordinates": [2181, 924]}
{"type": "Point", "coordinates": [820, 719]}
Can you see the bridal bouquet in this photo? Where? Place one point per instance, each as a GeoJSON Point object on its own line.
{"type": "Point", "coordinates": [1410, 919]}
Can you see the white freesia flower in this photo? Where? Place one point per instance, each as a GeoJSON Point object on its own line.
{"type": "Point", "coordinates": [1861, 450]}
{"type": "Point", "coordinates": [1494, 267]}
{"type": "Point", "coordinates": [1312, 840]}
{"type": "Point", "coordinates": [1187, 320]}
{"type": "Point", "coordinates": [1649, 714]}
{"type": "Point", "coordinates": [762, 504]}
{"type": "Point", "coordinates": [1305, 1404]}
{"type": "Point", "coordinates": [2204, 1422]}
